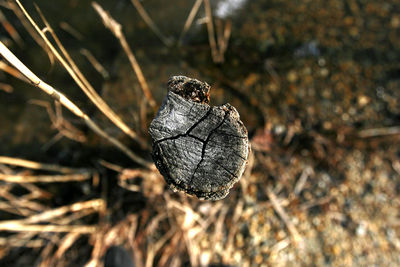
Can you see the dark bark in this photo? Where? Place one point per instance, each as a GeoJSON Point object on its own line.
{"type": "Point", "coordinates": [199, 149]}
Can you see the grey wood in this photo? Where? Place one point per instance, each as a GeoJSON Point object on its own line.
{"type": "Point", "coordinates": [199, 149]}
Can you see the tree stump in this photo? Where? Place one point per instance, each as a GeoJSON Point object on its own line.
{"type": "Point", "coordinates": [199, 149]}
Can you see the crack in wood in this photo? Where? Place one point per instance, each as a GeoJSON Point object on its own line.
{"type": "Point", "coordinates": [188, 131]}
{"type": "Point", "coordinates": [228, 171]}
{"type": "Point", "coordinates": [207, 158]}
{"type": "Point", "coordinates": [203, 150]}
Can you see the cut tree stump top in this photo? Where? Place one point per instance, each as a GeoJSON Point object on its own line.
{"type": "Point", "coordinates": [199, 149]}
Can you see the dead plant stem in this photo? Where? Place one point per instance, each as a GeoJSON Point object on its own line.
{"type": "Point", "coordinates": [190, 18]}
{"type": "Point", "coordinates": [37, 165]}
{"type": "Point", "coordinates": [284, 216]}
{"type": "Point", "coordinates": [56, 95]}
{"type": "Point", "coordinates": [77, 75]}
{"type": "Point", "coordinates": [145, 16]}
{"type": "Point", "coordinates": [116, 30]}
{"type": "Point", "coordinates": [211, 34]}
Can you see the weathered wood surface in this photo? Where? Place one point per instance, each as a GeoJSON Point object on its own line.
{"type": "Point", "coordinates": [199, 149]}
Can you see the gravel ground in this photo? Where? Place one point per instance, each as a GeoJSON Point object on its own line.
{"type": "Point", "coordinates": [316, 84]}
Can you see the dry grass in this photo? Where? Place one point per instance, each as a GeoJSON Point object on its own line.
{"type": "Point", "coordinates": [38, 223]}
{"type": "Point", "coordinates": [169, 229]}
{"type": "Point", "coordinates": [145, 16]}
{"type": "Point", "coordinates": [56, 229]}
{"type": "Point", "coordinates": [42, 223]}
{"type": "Point", "coordinates": [116, 29]}
{"type": "Point", "coordinates": [170, 226]}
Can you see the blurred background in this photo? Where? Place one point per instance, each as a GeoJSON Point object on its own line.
{"type": "Point", "coordinates": [316, 84]}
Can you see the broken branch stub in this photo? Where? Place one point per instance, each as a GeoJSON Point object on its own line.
{"type": "Point", "coordinates": [199, 149]}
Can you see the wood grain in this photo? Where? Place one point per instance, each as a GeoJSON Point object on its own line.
{"type": "Point", "coordinates": [199, 149]}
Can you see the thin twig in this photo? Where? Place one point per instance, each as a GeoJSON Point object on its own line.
{"type": "Point", "coordinates": [95, 204]}
{"type": "Point", "coordinates": [315, 202]}
{"type": "Point", "coordinates": [95, 63]}
{"type": "Point", "coordinates": [65, 244]}
{"type": "Point", "coordinates": [44, 178]}
{"type": "Point", "coordinates": [190, 18]}
{"type": "Point", "coordinates": [37, 165]}
{"type": "Point", "coordinates": [219, 34]}
{"type": "Point", "coordinates": [116, 29]}
{"type": "Point", "coordinates": [150, 23]}
{"type": "Point", "coordinates": [229, 247]}
{"type": "Point", "coordinates": [79, 78]}
{"type": "Point", "coordinates": [111, 166]}
{"type": "Point", "coordinates": [375, 132]}
{"type": "Point", "coordinates": [285, 218]}
{"type": "Point", "coordinates": [48, 89]}
{"type": "Point", "coordinates": [17, 242]}
{"type": "Point", "coordinates": [211, 34]}
{"type": "Point", "coordinates": [46, 253]}
{"type": "Point", "coordinates": [28, 27]}
{"type": "Point", "coordinates": [74, 216]}
{"type": "Point", "coordinates": [68, 28]}
{"type": "Point", "coordinates": [280, 245]}
{"type": "Point", "coordinates": [64, 127]}
{"type": "Point", "coordinates": [20, 208]}
{"type": "Point", "coordinates": [12, 71]}
{"type": "Point", "coordinates": [15, 227]}
{"type": "Point", "coordinates": [225, 40]}
{"type": "Point", "coordinates": [155, 247]}
{"type": "Point", "coordinates": [10, 30]}
{"type": "Point", "coordinates": [302, 180]}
